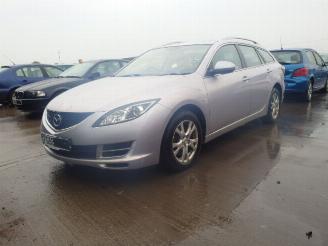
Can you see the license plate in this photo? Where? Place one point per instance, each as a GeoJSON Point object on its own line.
{"type": "Point", "coordinates": [17, 101]}
{"type": "Point", "coordinates": [56, 143]}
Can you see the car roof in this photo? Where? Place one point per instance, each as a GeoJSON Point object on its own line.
{"type": "Point", "coordinates": [294, 49]}
{"type": "Point", "coordinates": [211, 42]}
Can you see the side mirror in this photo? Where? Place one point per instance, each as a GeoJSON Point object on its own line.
{"type": "Point", "coordinates": [222, 67]}
{"type": "Point", "coordinates": [94, 75]}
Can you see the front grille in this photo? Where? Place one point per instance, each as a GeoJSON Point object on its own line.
{"type": "Point", "coordinates": [63, 120]}
{"type": "Point", "coordinates": [79, 152]}
{"type": "Point", "coordinates": [90, 151]}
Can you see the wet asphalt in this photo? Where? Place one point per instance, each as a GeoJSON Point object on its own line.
{"type": "Point", "coordinates": [257, 185]}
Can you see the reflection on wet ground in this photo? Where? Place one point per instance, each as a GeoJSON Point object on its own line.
{"type": "Point", "coordinates": [44, 202]}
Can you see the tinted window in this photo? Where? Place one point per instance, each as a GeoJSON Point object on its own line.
{"type": "Point", "coordinates": [20, 73]}
{"type": "Point", "coordinates": [251, 57]}
{"type": "Point", "coordinates": [288, 57]}
{"type": "Point", "coordinates": [311, 58]}
{"type": "Point", "coordinates": [106, 68]}
{"type": "Point", "coordinates": [266, 56]}
{"type": "Point", "coordinates": [318, 59]}
{"type": "Point", "coordinates": [52, 71]}
{"type": "Point", "coordinates": [33, 72]}
{"type": "Point", "coordinates": [227, 53]}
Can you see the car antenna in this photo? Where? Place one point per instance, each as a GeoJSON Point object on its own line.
{"type": "Point", "coordinates": [281, 44]}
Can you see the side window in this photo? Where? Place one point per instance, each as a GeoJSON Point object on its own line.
{"type": "Point", "coordinates": [106, 68]}
{"type": "Point", "coordinates": [33, 72]}
{"type": "Point", "coordinates": [311, 58]}
{"type": "Point", "coordinates": [318, 59]}
{"type": "Point", "coordinates": [227, 53]}
{"type": "Point", "coordinates": [250, 55]}
{"type": "Point", "coordinates": [266, 56]}
{"type": "Point", "coordinates": [20, 73]}
{"type": "Point", "coordinates": [52, 71]}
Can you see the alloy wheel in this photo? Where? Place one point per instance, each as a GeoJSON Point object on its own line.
{"type": "Point", "coordinates": [309, 92]}
{"type": "Point", "coordinates": [185, 142]}
{"type": "Point", "coordinates": [275, 105]}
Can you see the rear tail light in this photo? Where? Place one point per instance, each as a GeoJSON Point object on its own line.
{"type": "Point", "coordinates": [301, 72]}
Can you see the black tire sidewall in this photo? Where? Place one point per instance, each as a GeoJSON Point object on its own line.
{"type": "Point", "coordinates": [167, 158]}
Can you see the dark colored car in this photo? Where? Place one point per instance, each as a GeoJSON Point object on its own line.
{"type": "Point", "coordinates": [12, 77]}
{"type": "Point", "coordinates": [34, 98]}
{"type": "Point", "coordinates": [305, 71]}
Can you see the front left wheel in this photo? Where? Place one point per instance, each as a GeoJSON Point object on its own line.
{"type": "Point", "coordinates": [181, 142]}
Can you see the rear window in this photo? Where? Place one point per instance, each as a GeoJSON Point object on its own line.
{"type": "Point", "coordinates": [288, 57]}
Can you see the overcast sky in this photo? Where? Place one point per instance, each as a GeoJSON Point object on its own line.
{"type": "Point", "coordinates": [90, 29]}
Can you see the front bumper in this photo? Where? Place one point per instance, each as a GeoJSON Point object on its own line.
{"type": "Point", "coordinates": [144, 133]}
{"type": "Point", "coordinates": [31, 105]}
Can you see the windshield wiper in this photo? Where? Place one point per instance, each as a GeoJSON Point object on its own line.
{"type": "Point", "coordinates": [130, 75]}
{"type": "Point", "coordinates": [173, 74]}
{"type": "Point", "coordinates": [71, 76]}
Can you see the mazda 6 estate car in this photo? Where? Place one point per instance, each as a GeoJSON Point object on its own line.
{"type": "Point", "coordinates": [12, 77]}
{"type": "Point", "coordinates": [34, 97]}
{"type": "Point", "coordinates": [305, 71]}
{"type": "Point", "coordinates": [164, 105]}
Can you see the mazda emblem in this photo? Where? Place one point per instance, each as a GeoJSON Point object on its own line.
{"type": "Point", "coordinates": [57, 120]}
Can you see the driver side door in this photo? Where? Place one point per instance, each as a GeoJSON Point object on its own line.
{"type": "Point", "coordinates": [228, 94]}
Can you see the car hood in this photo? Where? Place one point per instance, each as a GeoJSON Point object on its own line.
{"type": "Point", "coordinates": [50, 83]}
{"type": "Point", "coordinates": [108, 93]}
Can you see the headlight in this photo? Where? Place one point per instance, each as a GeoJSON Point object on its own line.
{"type": "Point", "coordinates": [38, 93]}
{"type": "Point", "coordinates": [125, 113]}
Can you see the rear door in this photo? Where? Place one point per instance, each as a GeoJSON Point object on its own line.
{"type": "Point", "coordinates": [258, 75]}
{"type": "Point", "coordinates": [228, 95]}
{"type": "Point", "coordinates": [32, 74]}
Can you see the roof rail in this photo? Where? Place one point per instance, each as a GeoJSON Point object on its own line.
{"type": "Point", "coordinates": [170, 43]}
{"type": "Point", "coordinates": [254, 42]}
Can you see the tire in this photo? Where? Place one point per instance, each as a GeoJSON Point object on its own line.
{"type": "Point", "coordinates": [273, 106]}
{"type": "Point", "coordinates": [10, 98]}
{"type": "Point", "coordinates": [308, 93]}
{"type": "Point", "coordinates": [179, 150]}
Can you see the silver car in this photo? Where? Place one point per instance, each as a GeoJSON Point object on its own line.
{"type": "Point", "coordinates": [164, 105]}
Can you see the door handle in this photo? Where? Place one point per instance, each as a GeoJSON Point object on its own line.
{"type": "Point", "coordinates": [269, 71]}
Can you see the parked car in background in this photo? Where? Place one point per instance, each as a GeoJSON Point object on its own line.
{"type": "Point", "coordinates": [35, 97]}
{"type": "Point", "coordinates": [12, 77]}
{"type": "Point", "coordinates": [64, 66]}
{"type": "Point", "coordinates": [163, 105]}
{"type": "Point", "coordinates": [305, 71]}
{"type": "Point", "coordinates": [325, 57]}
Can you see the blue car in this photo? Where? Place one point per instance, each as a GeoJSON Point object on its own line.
{"type": "Point", "coordinates": [305, 71]}
{"type": "Point", "coordinates": [12, 77]}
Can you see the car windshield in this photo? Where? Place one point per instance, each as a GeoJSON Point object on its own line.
{"type": "Point", "coordinates": [325, 57]}
{"type": "Point", "coordinates": [78, 70]}
{"type": "Point", "coordinates": [174, 60]}
{"type": "Point", "coordinates": [288, 57]}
